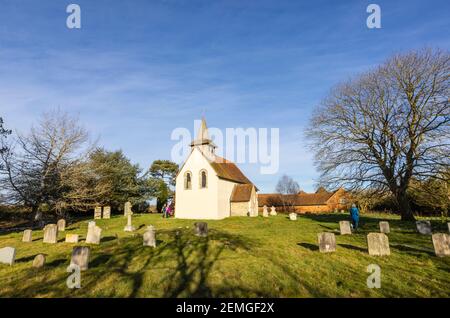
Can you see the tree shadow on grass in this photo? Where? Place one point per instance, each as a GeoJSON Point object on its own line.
{"type": "Point", "coordinates": [415, 250]}
{"type": "Point", "coordinates": [352, 247]}
{"type": "Point", "coordinates": [309, 246]}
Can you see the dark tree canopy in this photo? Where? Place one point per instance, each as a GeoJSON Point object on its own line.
{"type": "Point", "coordinates": [381, 129]}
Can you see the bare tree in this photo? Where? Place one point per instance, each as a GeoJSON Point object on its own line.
{"type": "Point", "coordinates": [287, 188]}
{"type": "Point", "coordinates": [33, 165]}
{"type": "Point", "coordinates": [385, 127]}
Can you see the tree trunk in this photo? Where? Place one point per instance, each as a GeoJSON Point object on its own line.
{"type": "Point", "coordinates": [404, 207]}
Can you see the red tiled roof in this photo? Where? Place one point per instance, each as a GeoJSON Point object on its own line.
{"type": "Point", "coordinates": [226, 169]}
{"type": "Point", "coordinates": [242, 192]}
{"type": "Point", "coordinates": [302, 198]}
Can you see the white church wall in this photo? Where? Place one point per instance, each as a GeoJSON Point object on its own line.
{"type": "Point", "coordinates": [197, 203]}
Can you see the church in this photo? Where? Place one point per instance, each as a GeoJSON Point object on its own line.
{"type": "Point", "coordinates": [212, 187]}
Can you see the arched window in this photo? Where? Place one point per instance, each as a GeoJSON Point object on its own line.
{"type": "Point", "coordinates": [203, 179]}
{"type": "Point", "coordinates": [187, 180]}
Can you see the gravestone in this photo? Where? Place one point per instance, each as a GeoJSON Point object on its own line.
{"type": "Point", "coordinates": [39, 261]}
{"type": "Point", "coordinates": [201, 229]}
{"type": "Point", "coordinates": [265, 212]}
{"type": "Point", "coordinates": [384, 227]}
{"type": "Point", "coordinates": [344, 227]}
{"type": "Point", "coordinates": [50, 233]}
{"type": "Point", "coordinates": [107, 212]}
{"type": "Point", "coordinates": [150, 236]}
{"type": "Point", "coordinates": [72, 238]}
{"type": "Point", "coordinates": [97, 212]}
{"type": "Point", "coordinates": [448, 224]}
{"type": "Point", "coordinates": [61, 225]}
{"type": "Point", "coordinates": [293, 216]}
{"type": "Point", "coordinates": [94, 234]}
{"type": "Point", "coordinates": [127, 208]}
{"type": "Point", "coordinates": [424, 227]}
{"type": "Point", "coordinates": [441, 243]}
{"type": "Point", "coordinates": [273, 212]}
{"type": "Point", "coordinates": [27, 236]}
{"type": "Point", "coordinates": [129, 227]}
{"type": "Point", "coordinates": [327, 242]}
{"type": "Point", "coordinates": [378, 244]}
{"type": "Point", "coordinates": [7, 255]}
{"type": "Point", "coordinates": [80, 257]}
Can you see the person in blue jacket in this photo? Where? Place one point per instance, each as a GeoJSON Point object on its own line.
{"type": "Point", "coordinates": [354, 213]}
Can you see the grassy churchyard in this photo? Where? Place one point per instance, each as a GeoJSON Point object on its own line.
{"type": "Point", "coordinates": [241, 257]}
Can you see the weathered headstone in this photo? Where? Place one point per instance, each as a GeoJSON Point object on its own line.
{"type": "Point", "coordinates": [61, 225]}
{"type": "Point", "coordinates": [72, 238]}
{"type": "Point", "coordinates": [150, 236]}
{"type": "Point", "coordinates": [448, 224]}
{"type": "Point", "coordinates": [273, 212]}
{"type": "Point", "coordinates": [378, 244]}
{"type": "Point", "coordinates": [7, 255]}
{"type": "Point", "coordinates": [98, 212]}
{"type": "Point", "coordinates": [344, 227]}
{"type": "Point", "coordinates": [127, 209]}
{"type": "Point", "coordinates": [327, 242]}
{"type": "Point", "coordinates": [27, 236]}
{"type": "Point", "coordinates": [50, 233]}
{"type": "Point", "coordinates": [107, 212]}
{"type": "Point", "coordinates": [129, 227]}
{"type": "Point", "coordinates": [39, 261]}
{"type": "Point", "coordinates": [265, 212]}
{"type": "Point", "coordinates": [80, 257]}
{"type": "Point", "coordinates": [201, 229]}
{"type": "Point", "coordinates": [424, 227]}
{"type": "Point", "coordinates": [94, 234]}
{"type": "Point", "coordinates": [384, 227]}
{"type": "Point", "coordinates": [441, 243]}
{"type": "Point", "coordinates": [293, 216]}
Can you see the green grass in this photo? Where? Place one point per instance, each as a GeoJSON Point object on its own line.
{"type": "Point", "coordinates": [241, 257]}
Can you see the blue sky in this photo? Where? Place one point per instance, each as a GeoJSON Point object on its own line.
{"type": "Point", "coordinates": [138, 69]}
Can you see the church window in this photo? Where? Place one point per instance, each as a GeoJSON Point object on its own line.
{"type": "Point", "coordinates": [203, 179]}
{"type": "Point", "coordinates": [187, 180]}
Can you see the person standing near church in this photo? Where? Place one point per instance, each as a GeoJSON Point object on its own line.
{"type": "Point", "coordinates": [354, 214]}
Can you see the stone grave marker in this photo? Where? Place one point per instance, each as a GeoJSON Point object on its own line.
{"type": "Point", "coordinates": [384, 227]}
{"type": "Point", "coordinates": [344, 227]}
{"type": "Point", "coordinates": [50, 233]}
{"type": "Point", "coordinates": [378, 244]}
{"type": "Point", "coordinates": [61, 225]}
{"type": "Point", "coordinates": [72, 238]}
{"type": "Point", "coordinates": [424, 227]}
{"type": "Point", "coordinates": [7, 255]}
{"type": "Point", "coordinates": [327, 242]}
{"type": "Point", "coordinates": [293, 216]}
{"type": "Point", "coordinates": [27, 236]}
{"type": "Point", "coordinates": [448, 224]}
{"type": "Point", "coordinates": [94, 234]}
{"type": "Point", "coordinates": [201, 229]}
{"type": "Point", "coordinates": [150, 236]}
{"type": "Point", "coordinates": [441, 243]}
{"type": "Point", "coordinates": [273, 212]}
{"type": "Point", "coordinates": [80, 257]}
{"type": "Point", "coordinates": [97, 212]}
{"type": "Point", "coordinates": [265, 212]}
{"type": "Point", "coordinates": [39, 261]}
{"type": "Point", "coordinates": [107, 212]}
{"type": "Point", "coordinates": [127, 209]}
{"type": "Point", "coordinates": [129, 227]}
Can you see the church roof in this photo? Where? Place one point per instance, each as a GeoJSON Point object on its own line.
{"type": "Point", "coordinates": [242, 192]}
{"type": "Point", "coordinates": [299, 199]}
{"type": "Point", "coordinates": [228, 170]}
